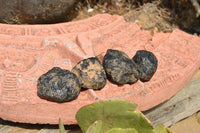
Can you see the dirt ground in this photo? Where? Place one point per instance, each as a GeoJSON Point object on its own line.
{"type": "Point", "coordinates": [153, 15]}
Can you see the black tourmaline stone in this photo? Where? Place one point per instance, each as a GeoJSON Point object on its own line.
{"type": "Point", "coordinates": [120, 68]}
{"type": "Point", "coordinates": [90, 73]}
{"type": "Point", "coordinates": [147, 62]}
{"type": "Point", "coordinates": [58, 85]}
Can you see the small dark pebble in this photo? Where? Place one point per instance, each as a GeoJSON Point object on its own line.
{"type": "Point", "coordinates": [90, 73]}
{"type": "Point", "coordinates": [120, 68]}
{"type": "Point", "coordinates": [58, 85]}
{"type": "Point", "coordinates": [147, 62]}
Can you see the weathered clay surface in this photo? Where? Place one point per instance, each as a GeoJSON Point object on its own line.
{"type": "Point", "coordinates": [147, 62]}
{"type": "Point", "coordinates": [27, 52]}
{"type": "Point", "coordinates": [120, 68]}
{"type": "Point", "coordinates": [90, 73]}
{"type": "Point", "coordinates": [58, 85]}
{"type": "Point", "coordinates": [34, 11]}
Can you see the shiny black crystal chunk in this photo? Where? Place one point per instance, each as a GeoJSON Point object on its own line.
{"type": "Point", "coordinates": [90, 73]}
{"type": "Point", "coordinates": [58, 85]}
{"type": "Point", "coordinates": [147, 62]}
{"type": "Point", "coordinates": [120, 68]}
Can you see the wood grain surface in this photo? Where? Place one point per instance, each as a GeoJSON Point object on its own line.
{"type": "Point", "coordinates": [183, 104]}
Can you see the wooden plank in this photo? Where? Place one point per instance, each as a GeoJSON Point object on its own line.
{"type": "Point", "coordinates": [48, 131]}
{"type": "Point", "coordinates": [183, 104]}
{"type": "Point", "coordinates": [21, 130]}
{"type": "Point", "coordinates": [11, 127]}
{"type": "Point", "coordinates": [6, 129]}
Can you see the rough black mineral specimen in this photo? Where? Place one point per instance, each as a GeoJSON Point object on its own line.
{"type": "Point", "coordinates": [91, 73]}
{"type": "Point", "coordinates": [58, 85]}
{"type": "Point", "coordinates": [120, 68]}
{"type": "Point", "coordinates": [147, 62]}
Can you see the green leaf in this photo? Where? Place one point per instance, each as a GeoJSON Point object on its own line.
{"type": "Point", "coordinates": [61, 126]}
{"type": "Point", "coordinates": [113, 114]}
{"type": "Point", "coordinates": [162, 129]}
{"type": "Point", "coordinates": [119, 130]}
{"type": "Point", "coordinates": [96, 127]}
